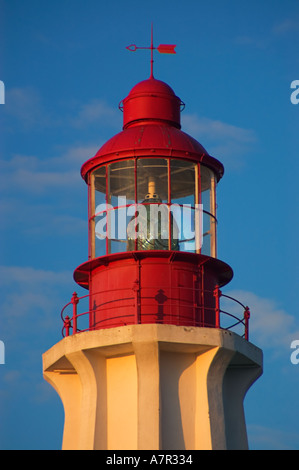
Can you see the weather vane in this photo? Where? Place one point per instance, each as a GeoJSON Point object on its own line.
{"type": "Point", "coordinates": [162, 48]}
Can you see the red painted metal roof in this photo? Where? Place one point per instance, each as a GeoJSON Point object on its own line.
{"type": "Point", "coordinates": [152, 99]}
{"type": "Point", "coordinates": [151, 85]}
{"type": "Point", "coordinates": [152, 128]}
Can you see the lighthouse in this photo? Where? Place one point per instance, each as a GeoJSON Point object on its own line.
{"type": "Point", "coordinates": [148, 358]}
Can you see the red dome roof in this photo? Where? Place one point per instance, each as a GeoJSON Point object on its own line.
{"type": "Point", "coordinates": [151, 99]}
{"type": "Point", "coordinates": [152, 128]}
{"type": "Point", "coordinates": [153, 136]}
{"type": "Point", "coordinates": [151, 85]}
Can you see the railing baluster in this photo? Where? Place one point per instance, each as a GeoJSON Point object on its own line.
{"type": "Point", "coordinates": [136, 290]}
{"type": "Point", "coordinates": [217, 294]}
{"type": "Point", "coordinates": [75, 301]}
{"type": "Point", "coordinates": [67, 324]}
{"type": "Point", "coordinates": [246, 318]}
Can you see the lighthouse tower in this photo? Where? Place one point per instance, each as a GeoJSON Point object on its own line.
{"type": "Point", "coordinates": [149, 359]}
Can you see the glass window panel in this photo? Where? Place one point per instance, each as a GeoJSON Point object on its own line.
{"type": "Point", "coordinates": [184, 223]}
{"type": "Point", "coordinates": [118, 239]}
{"type": "Point", "coordinates": [97, 201]}
{"type": "Point", "coordinates": [206, 238]}
{"type": "Point", "coordinates": [119, 236]}
{"type": "Point", "coordinates": [205, 181]}
{"type": "Point", "coordinates": [208, 189]}
{"type": "Point", "coordinates": [121, 182]}
{"type": "Point", "coordinates": [182, 181]}
{"type": "Point", "coordinates": [117, 246]}
{"type": "Point", "coordinates": [100, 190]}
{"type": "Point", "coordinates": [116, 225]}
{"type": "Point", "coordinates": [150, 227]}
{"type": "Point", "coordinates": [208, 199]}
{"type": "Point", "coordinates": [100, 227]}
{"type": "Point", "coordinates": [152, 180]}
{"type": "Point", "coordinates": [209, 235]}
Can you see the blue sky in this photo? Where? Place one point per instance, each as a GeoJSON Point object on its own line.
{"type": "Point", "coordinates": [65, 69]}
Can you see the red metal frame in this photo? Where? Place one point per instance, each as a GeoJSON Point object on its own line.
{"type": "Point", "coordinates": [190, 154]}
{"type": "Point", "coordinates": [71, 322]}
{"type": "Point", "coordinates": [186, 279]}
{"type": "Point", "coordinates": [169, 201]}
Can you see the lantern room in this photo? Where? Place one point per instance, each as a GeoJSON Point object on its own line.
{"type": "Point", "coordinates": [157, 171]}
{"type": "Point", "coordinates": [152, 219]}
{"type": "Point", "coordinates": [173, 199]}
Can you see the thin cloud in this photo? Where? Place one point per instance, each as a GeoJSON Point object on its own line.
{"type": "Point", "coordinates": [38, 181]}
{"type": "Point", "coordinates": [47, 222]}
{"type": "Point", "coordinates": [35, 175]}
{"type": "Point", "coordinates": [270, 326]}
{"type": "Point", "coordinates": [38, 219]}
{"type": "Point", "coordinates": [29, 297]}
{"type": "Point", "coordinates": [31, 187]}
{"type": "Point", "coordinates": [220, 138]}
{"type": "Point", "coordinates": [286, 26]}
{"type": "Point", "coordinates": [24, 105]}
{"type": "Point", "coordinates": [77, 154]}
{"type": "Point", "coordinates": [268, 37]}
{"type": "Point", "coordinates": [11, 275]}
{"type": "Point", "coordinates": [258, 42]}
{"type": "Point", "coordinates": [216, 129]}
{"type": "Point", "coordinates": [96, 112]}
{"type": "Point", "coordinates": [30, 303]}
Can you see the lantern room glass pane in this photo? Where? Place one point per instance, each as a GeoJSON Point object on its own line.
{"type": "Point", "coordinates": [208, 201]}
{"type": "Point", "coordinates": [119, 235]}
{"type": "Point", "coordinates": [149, 230]}
{"type": "Point", "coordinates": [206, 238]}
{"type": "Point", "coordinates": [183, 185]}
{"type": "Point", "coordinates": [97, 208]}
{"type": "Point", "coordinates": [121, 182]}
{"type": "Point", "coordinates": [207, 184]}
{"type": "Point", "coordinates": [152, 180]}
{"type": "Point", "coordinates": [100, 188]}
{"type": "Point", "coordinates": [184, 201]}
{"type": "Point", "coordinates": [100, 228]}
{"type": "Point", "coordinates": [184, 223]}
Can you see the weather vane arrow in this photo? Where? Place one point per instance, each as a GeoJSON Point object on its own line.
{"type": "Point", "coordinates": [162, 48]}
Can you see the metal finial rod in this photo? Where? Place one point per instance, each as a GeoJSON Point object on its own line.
{"type": "Point", "coordinates": [162, 48]}
{"type": "Point", "coordinates": [152, 53]}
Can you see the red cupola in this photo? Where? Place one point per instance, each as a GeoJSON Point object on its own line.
{"type": "Point", "coordinates": [152, 220]}
{"type": "Point", "coordinates": [152, 100]}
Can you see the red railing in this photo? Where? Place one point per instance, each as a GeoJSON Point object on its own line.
{"type": "Point", "coordinates": [223, 319]}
